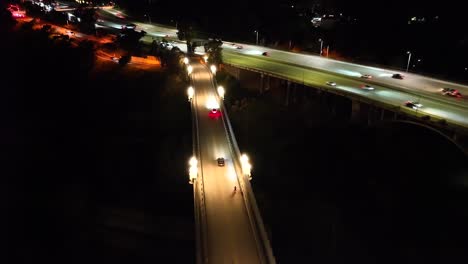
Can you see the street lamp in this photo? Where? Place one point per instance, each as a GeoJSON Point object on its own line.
{"type": "Point", "coordinates": [149, 18]}
{"type": "Point", "coordinates": [221, 91]}
{"type": "Point", "coordinates": [213, 69]}
{"type": "Point", "coordinates": [189, 69]}
{"type": "Point", "coordinates": [186, 61]}
{"type": "Point", "coordinates": [409, 59]}
{"type": "Point", "coordinates": [190, 93]}
{"type": "Point", "coordinates": [256, 31]}
{"type": "Point", "coordinates": [321, 46]}
{"type": "Point", "coordinates": [193, 169]}
{"type": "Point", "coordinates": [246, 166]}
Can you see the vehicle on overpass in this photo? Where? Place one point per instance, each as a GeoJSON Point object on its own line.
{"type": "Point", "coordinates": [366, 76]}
{"type": "Point", "coordinates": [397, 76]}
{"type": "Point", "coordinates": [331, 83]}
{"type": "Point", "coordinates": [367, 87]}
{"type": "Point", "coordinates": [220, 162]}
{"type": "Point", "coordinates": [451, 92]}
{"type": "Point", "coordinates": [412, 104]}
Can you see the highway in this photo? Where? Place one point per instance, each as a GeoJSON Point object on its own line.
{"type": "Point", "coordinates": [316, 71]}
{"type": "Point", "coordinates": [230, 235]}
{"type": "Point", "coordinates": [457, 114]}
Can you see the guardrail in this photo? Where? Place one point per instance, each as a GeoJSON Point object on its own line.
{"type": "Point", "coordinates": [199, 192]}
{"type": "Point", "coordinates": [264, 249]}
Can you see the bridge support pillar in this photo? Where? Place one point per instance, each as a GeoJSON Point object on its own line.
{"type": "Point", "coordinates": [262, 76]}
{"type": "Point", "coordinates": [355, 110]}
{"type": "Point", "coordinates": [294, 95]}
{"type": "Point", "coordinates": [288, 88]}
{"type": "Point", "coordinates": [382, 114]}
{"type": "Point", "coordinates": [267, 84]}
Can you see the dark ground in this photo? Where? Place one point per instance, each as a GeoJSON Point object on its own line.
{"type": "Point", "coordinates": [94, 162]}
{"type": "Point", "coordinates": [333, 192]}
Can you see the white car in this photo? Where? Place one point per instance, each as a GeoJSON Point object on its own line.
{"type": "Point", "coordinates": [367, 87]}
{"type": "Point", "coordinates": [366, 76]}
{"type": "Point", "coordinates": [331, 83]}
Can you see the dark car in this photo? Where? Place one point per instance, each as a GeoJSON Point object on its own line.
{"type": "Point", "coordinates": [451, 92]}
{"type": "Point", "coordinates": [397, 76]}
{"type": "Point", "coordinates": [220, 162]}
{"type": "Point", "coordinates": [412, 104]}
{"type": "Point", "coordinates": [265, 54]}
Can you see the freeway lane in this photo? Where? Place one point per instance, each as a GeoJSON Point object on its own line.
{"type": "Point", "coordinates": [110, 18]}
{"type": "Point", "coordinates": [411, 82]}
{"type": "Point", "coordinates": [452, 113]}
{"type": "Point", "coordinates": [230, 237]}
{"type": "Point", "coordinates": [347, 75]}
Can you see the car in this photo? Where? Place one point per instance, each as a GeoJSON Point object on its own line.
{"type": "Point", "coordinates": [220, 162]}
{"type": "Point", "coordinates": [451, 92]}
{"type": "Point", "coordinates": [412, 104]}
{"type": "Point", "coordinates": [367, 87]}
{"type": "Point", "coordinates": [214, 113]}
{"type": "Point", "coordinates": [265, 54]}
{"type": "Point", "coordinates": [331, 83]}
{"type": "Point", "coordinates": [366, 76]}
{"type": "Point", "coordinates": [239, 47]}
{"type": "Point", "coordinates": [129, 26]}
{"type": "Point", "coordinates": [16, 11]}
{"type": "Point", "coordinates": [397, 76]}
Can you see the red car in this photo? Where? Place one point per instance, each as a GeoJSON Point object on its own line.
{"type": "Point", "coordinates": [16, 11]}
{"type": "Point", "coordinates": [214, 113]}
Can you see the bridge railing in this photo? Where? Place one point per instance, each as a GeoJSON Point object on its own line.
{"type": "Point", "coordinates": [263, 243]}
{"type": "Point", "coordinates": [201, 230]}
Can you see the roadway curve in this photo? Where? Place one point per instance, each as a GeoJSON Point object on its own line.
{"type": "Point", "coordinates": [315, 71]}
{"type": "Point", "coordinates": [230, 235]}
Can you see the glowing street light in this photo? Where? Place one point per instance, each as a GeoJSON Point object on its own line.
{"type": "Point", "coordinates": [205, 58]}
{"type": "Point", "coordinates": [221, 91]}
{"type": "Point", "coordinates": [246, 166]}
{"type": "Point", "coordinates": [321, 46]}
{"type": "Point", "coordinates": [193, 169]}
{"type": "Point", "coordinates": [186, 60]}
{"type": "Point", "coordinates": [213, 69]}
{"type": "Point", "coordinates": [190, 93]}
{"type": "Point", "coordinates": [189, 69]}
{"type": "Point", "coordinates": [409, 59]}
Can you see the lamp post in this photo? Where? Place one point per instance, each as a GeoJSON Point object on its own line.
{"type": "Point", "coordinates": [149, 18]}
{"type": "Point", "coordinates": [409, 59]}
{"type": "Point", "coordinates": [256, 31]}
{"type": "Point", "coordinates": [321, 46]}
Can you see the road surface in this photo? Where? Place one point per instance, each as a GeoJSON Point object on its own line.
{"type": "Point", "coordinates": [315, 71]}
{"type": "Point", "coordinates": [230, 236]}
